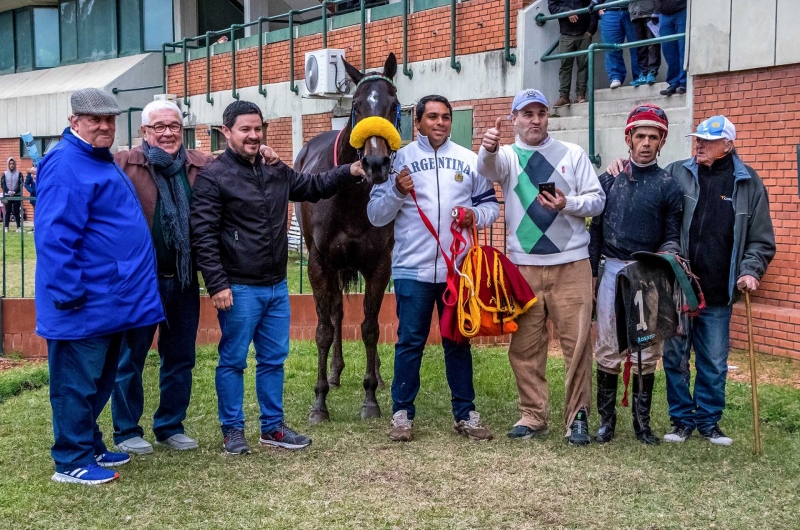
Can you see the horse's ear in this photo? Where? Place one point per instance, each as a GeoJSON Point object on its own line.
{"type": "Point", "coordinates": [390, 68]}
{"type": "Point", "coordinates": [353, 72]}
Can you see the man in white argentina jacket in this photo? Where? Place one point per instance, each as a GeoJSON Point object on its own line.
{"type": "Point", "coordinates": [444, 177]}
{"type": "Point", "coordinates": [548, 240]}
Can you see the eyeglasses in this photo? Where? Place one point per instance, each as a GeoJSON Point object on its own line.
{"type": "Point", "coordinates": [160, 128]}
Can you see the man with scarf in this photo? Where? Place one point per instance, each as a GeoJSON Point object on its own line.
{"type": "Point", "coordinates": [163, 173]}
{"type": "Point", "coordinates": [12, 187]}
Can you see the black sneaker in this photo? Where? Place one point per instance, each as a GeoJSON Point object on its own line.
{"type": "Point", "coordinates": [681, 90]}
{"type": "Point", "coordinates": [285, 437]}
{"type": "Point", "coordinates": [716, 436]}
{"type": "Point", "coordinates": [522, 432]}
{"type": "Point", "coordinates": [672, 89]}
{"type": "Point", "coordinates": [235, 443]}
{"type": "Point", "coordinates": [580, 430]}
{"type": "Point", "coordinates": [678, 434]}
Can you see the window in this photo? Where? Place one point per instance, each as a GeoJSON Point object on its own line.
{"type": "Point", "coordinates": [43, 143]}
{"type": "Point", "coordinates": [218, 141]}
{"type": "Point", "coordinates": [157, 22]}
{"type": "Point", "coordinates": [68, 25]}
{"type": "Point", "coordinates": [23, 39]}
{"type": "Point", "coordinates": [96, 38]}
{"type": "Point", "coordinates": [461, 133]}
{"type": "Point", "coordinates": [188, 138]}
{"type": "Point", "coordinates": [130, 31]}
{"type": "Point", "coordinates": [407, 125]}
{"type": "Point", "coordinates": [7, 59]}
{"type": "Point", "coordinates": [47, 49]}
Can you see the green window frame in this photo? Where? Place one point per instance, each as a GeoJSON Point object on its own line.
{"type": "Point", "coordinates": [218, 140]}
{"type": "Point", "coordinates": [68, 31]}
{"type": "Point", "coordinates": [8, 61]}
{"type": "Point", "coordinates": [189, 138]}
{"type": "Point", "coordinates": [461, 133]}
{"type": "Point", "coordinates": [43, 144]}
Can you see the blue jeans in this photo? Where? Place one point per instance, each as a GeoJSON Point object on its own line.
{"type": "Point", "coordinates": [81, 380]}
{"type": "Point", "coordinates": [709, 334]}
{"type": "Point", "coordinates": [673, 50]}
{"type": "Point", "coordinates": [415, 301]}
{"type": "Point", "coordinates": [176, 347]}
{"type": "Point", "coordinates": [616, 26]}
{"type": "Point", "coordinates": [259, 315]}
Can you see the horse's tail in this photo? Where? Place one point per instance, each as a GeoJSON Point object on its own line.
{"type": "Point", "coordinates": [347, 280]}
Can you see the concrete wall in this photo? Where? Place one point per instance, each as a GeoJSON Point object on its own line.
{"type": "Point", "coordinates": [731, 35]}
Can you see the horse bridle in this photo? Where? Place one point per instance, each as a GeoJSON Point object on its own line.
{"type": "Point", "coordinates": [376, 77]}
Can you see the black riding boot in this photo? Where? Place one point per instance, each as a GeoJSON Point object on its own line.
{"type": "Point", "coordinates": [642, 400]}
{"type": "Point", "coordinates": [606, 406]}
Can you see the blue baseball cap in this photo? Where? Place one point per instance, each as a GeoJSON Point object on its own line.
{"type": "Point", "coordinates": [526, 97]}
{"type": "Point", "coordinates": [715, 128]}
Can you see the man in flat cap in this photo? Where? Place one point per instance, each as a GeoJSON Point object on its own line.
{"type": "Point", "coordinates": [95, 280]}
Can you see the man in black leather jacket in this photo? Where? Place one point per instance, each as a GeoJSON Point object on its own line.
{"type": "Point", "coordinates": [238, 223]}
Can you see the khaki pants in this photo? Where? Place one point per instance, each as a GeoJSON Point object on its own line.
{"type": "Point", "coordinates": [565, 296]}
{"type": "Point", "coordinates": [609, 358]}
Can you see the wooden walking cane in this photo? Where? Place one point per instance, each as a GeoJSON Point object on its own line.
{"type": "Point", "coordinates": [753, 377]}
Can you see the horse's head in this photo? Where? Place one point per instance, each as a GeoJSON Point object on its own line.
{"type": "Point", "coordinates": [376, 96]}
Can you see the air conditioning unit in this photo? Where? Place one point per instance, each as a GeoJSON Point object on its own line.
{"type": "Point", "coordinates": [172, 98]}
{"type": "Point", "coordinates": [325, 72]}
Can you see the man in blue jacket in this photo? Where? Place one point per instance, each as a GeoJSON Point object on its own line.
{"type": "Point", "coordinates": [95, 279]}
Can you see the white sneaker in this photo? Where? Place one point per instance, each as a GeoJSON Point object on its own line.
{"type": "Point", "coordinates": [678, 434]}
{"type": "Point", "coordinates": [616, 83]}
{"type": "Point", "coordinates": [19, 230]}
{"type": "Point", "coordinates": [136, 445]}
{"type": "Point", "coordinates": [180, 442]}
{"type": "Point", "coordinates": [717, 437]}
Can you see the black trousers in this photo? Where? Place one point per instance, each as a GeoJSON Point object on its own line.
{"type": "Point", "coordinates": [15, 208]}
{"type": "Point", "coordinates": [649, 56]}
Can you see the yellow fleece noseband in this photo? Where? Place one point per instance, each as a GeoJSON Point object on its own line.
{"type": "Point", "coordinates": [375, 126]}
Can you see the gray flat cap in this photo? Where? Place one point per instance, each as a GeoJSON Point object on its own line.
{"type": "Point", "coordinates": [94, 102]}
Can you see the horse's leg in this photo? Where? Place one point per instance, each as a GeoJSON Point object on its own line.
{"type": "Point", "coordinates": [375, 284]}
{"type": "Point", "coordinates": [381, 277]}
{"type": "Point", "coordinates": [323, 286]}
{"type": "Point", "coordinates": [337, 360]}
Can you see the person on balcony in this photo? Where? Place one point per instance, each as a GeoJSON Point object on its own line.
{"type": "Point", "coordinates": [30, 185]}
{"type": "Point", "coordinates": [576, 35]}
{"type": "Point", "coordinates": [642, 213]}
{"type": "Point", "coordinates": [615, 27]}
{"type": "Point", "coordinates": [726, 225]}
{"type": "Point", "coordinates": [548, 240]}
{"type": "Point", "coordinates": [95, 281]}
{"type": "Point", "coordinates": [644, 18]}
{"type": "Point", "coordinates": [672, 20]}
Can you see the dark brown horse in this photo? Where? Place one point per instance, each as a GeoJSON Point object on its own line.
{"type": "Point", "coordinates": [342, 242]}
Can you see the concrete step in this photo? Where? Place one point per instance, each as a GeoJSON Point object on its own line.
{"type": "Point", "coordinates": [623, 104]}
{"type": "Point", "coordinates": [610, 143]}
{"type": "Point", "coordinates": [631, 92]}
{"type": "Point", "coordinates": [676, 115]}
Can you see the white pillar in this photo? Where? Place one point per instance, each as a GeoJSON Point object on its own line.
{"type": "Point", "coordinates": [252, 10]}
{"type": "Point", "coordinates": [185, 23]}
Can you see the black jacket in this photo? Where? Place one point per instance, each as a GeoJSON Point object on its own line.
{"type": "Point", "coordinates": [238, 217]}
{"type": "Point", "coordinates": [587, 23]}
{"type": "Point", "coordinates": [670, 7]}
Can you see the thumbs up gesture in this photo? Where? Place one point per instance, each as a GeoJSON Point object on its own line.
{"type": "Point", "coordinates": [491, 138]}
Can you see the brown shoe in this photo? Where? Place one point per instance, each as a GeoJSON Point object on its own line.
{"type": "Point", "coordinates": [581, 98]}
{"type": "Point", "coordinates": [473, 428]}
{"type": "Point", "coordinates": [563, 101]}
{"type": "Point", "coordinates": [402, 427]}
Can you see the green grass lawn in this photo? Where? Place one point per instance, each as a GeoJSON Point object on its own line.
{"type": "Point", "coordinates": [14, 245]}
{"type": "Point", "coordinates": [353, 477]}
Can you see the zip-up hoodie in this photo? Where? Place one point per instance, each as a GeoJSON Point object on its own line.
{"type": "Point", "coordinates": [537, 236]}
{"type": "Point", "coordinates": [443, 179]}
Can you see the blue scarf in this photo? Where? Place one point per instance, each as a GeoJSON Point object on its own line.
{"type": "Point", "coordinates": [174, 206]}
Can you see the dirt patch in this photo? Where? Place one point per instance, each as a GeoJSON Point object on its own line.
{"type": "Point", "coordinates": [8, 364]}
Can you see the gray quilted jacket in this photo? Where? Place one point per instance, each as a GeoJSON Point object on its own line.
{"type": "Point", "coordinates": [642, 9]}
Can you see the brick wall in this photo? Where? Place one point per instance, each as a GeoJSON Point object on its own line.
{"type": "Point", "coordinates": [765, 107]}
{"type": "Point", "coordinates": [9, 147]}
{"type": "Point", "coordinates": [480, 28]}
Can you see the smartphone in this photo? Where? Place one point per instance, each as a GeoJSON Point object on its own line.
{"type": "Point", "coordinates": [549, 187]}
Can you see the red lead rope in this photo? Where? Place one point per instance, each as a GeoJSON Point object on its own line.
{"type": "Point", "coordinates": [450, 296]}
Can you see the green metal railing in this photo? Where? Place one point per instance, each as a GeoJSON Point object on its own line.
{"type": "Point", "coordinates": [185, 44]}
{"type": "Point", "coordinates": [594, 48]}
{"type": "Point", "coordinates": [116, 90]}
{"type": "Point", "coordinates": [129, 111]}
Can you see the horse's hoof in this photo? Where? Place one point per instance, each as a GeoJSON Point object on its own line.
{"type": "Point", "coordinates": [334, 383]}
{"type": "Point", "coordinates": [318, 416]}
{"type": "Point", "coordinates": [369, 412]}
